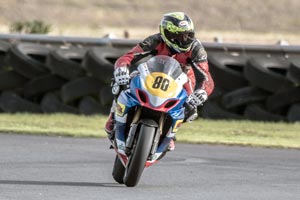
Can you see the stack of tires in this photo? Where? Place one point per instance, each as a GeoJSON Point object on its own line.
{"type": "Point", "coordinates": [45, 78]}
{"type": "Point", "coordinates": [254, 86]}
{"type": "Point", "coordinates": [51, 79]}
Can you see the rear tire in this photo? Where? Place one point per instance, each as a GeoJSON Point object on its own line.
{"type": "Point", "coordinates": [138, 158]}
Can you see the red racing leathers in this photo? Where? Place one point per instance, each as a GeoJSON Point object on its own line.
{"type": "Point", "coordinates": [194, 61]}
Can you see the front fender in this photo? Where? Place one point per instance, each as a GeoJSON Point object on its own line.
{"type": "Point", "coordinates": [148, 122]}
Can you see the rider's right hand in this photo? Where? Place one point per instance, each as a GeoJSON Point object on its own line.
{"type": "Point", "coordinates": [190, 113]}
{"type": "Point", "coordinates": [121, 75]}
{"type": "Point", "coordinates": [197, 98]}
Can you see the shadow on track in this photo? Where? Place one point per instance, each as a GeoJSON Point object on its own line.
{"type": "Point", "coordinates": [57, 183]}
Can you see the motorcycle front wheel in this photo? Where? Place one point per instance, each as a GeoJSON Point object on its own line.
{"type": "Point", "coordinates": [138, 158]}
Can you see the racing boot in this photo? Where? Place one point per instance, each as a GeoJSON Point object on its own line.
{"type": "Point", "coordinates": [109, 126]}
{"type": "Point", "coordinates": [172, 142]}
{"type": "Point", "coordinates": [171, 145]}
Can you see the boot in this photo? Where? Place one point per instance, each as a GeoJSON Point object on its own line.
{"type": "Point", "coordinates": [172, 142]}
{"type": "Point", "coordinates": [171, 145]}
{"type": "Point", "coordinates": [109, 126]}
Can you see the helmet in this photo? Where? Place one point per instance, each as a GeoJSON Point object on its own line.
{"type": "Point", "coordinates": [177, 30]}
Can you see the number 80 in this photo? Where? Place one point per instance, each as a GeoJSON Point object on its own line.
{"type": "Point", "coordinates": [161, 83]}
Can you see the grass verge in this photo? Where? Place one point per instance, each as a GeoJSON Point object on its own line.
{"type": "Point", "coordinates": [283, 135]}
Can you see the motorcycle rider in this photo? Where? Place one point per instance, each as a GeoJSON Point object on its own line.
{"type": "Point", "coordinates": [176, 38]}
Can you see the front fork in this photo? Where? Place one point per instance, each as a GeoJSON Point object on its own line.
{"type": "Point", "coordinates": [126, 144]}
{"type": "Point", "coordinates": [134, 129]}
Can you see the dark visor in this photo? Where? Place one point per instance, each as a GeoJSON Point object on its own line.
{"type": "Point", "coordinates": [183, 39]}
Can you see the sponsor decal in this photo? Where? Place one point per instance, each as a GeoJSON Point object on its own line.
{"type": "Point", "coordinates": [177, 125]}
{"type": "Point", "coordinates": [120, 144]}
{"type": "Point", "coordinates": [183, 24]}
{"type": "Point", "coordinates": [120, 108]}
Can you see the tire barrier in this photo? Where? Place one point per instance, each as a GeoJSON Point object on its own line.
{"type": "Point", "coordinates": [38, 86]}
{"type": "Point", "coordinates": [268, 73]}
{"type": "Point", "coordinates": [293, 73]}
{"type": "Point", "coordinates": [4, 47]}
{"type": "Point", "coordinates": [11, 79]}
{"type": "Point", "coordinates": [48, 76]}
{"type": "Point", "coordinates": [81, 87]}
{"type": "Point", "coordinates": [28, 60]}
{"type": "Point", "coordinates": [242, 97]}
{"type": "Point", "coordinates": [254, 85]}
{"type": "Point", "coordinates": [99, 61]}
{"type": "Point", "coordinates": [257, 112]}
{"type": "Point", "coordinates": [89, 105]}
{"type": "Point", "coordinates": [12, 102]}
{"type": "Point", "coordinates": [293, 114]}
{"type": "Point", "coordinates": [280, 101]}
{"type": "Point", "coordinates": [52, 103]}
{"type": "Point", "coordinates": [66, 63]}
{"type": "Point", "coordinates": [214, 110]}
{"type": "Point", "coordinates": [229, 69]}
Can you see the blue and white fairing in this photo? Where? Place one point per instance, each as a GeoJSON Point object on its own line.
{"type": "Point", "coordinates": [158, 85]}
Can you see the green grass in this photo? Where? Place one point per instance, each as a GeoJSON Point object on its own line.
{"type": "Point", "coordinates": [54, 124]}
{"type": "Point", "coordinates": [242, 133]}
{"type": "Point", "coordinates": [283, 135]}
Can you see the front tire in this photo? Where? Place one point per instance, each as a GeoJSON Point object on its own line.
{"type": "Point", "coordinates": [138, 158]}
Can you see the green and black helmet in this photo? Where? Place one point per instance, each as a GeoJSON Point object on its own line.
{"type": "Point", "coordinates": [177, 30]}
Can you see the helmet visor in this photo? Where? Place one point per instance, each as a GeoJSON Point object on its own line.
{"type": "Point", "coordinates": [182, 39]}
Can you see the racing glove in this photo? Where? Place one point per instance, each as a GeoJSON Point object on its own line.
{"type": "Point", "coordinates": [197, 98]}
{"type": "Point", "coordinates": [121, 75]}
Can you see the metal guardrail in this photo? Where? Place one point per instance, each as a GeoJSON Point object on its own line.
{"type": "Point", "coordinates": [91, 41]}
{"type": "Point", "coordinates": [253, 48]}
{"type": "Point", "coordinates": [44, 39]}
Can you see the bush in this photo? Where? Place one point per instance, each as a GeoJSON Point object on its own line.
{"type": "Point", "coordinates": [35, 26]}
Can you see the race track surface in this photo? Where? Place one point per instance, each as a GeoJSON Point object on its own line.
{"type": "Point", "coordinates": [41, 167]}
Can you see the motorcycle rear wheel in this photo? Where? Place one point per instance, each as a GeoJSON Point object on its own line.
{"type": "Point", "coordinates": [138, 158]}
{"type": "Point", "coordinates": [118, 170]}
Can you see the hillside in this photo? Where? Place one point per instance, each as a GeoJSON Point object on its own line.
{"type": "Point", "coordinates": [233, 20]}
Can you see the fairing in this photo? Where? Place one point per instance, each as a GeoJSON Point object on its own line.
{"type": "Point", "coordinates": [158, 86]}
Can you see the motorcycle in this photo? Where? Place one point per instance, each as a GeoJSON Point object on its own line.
{"type": "Point", "coordinates": [147, 115]}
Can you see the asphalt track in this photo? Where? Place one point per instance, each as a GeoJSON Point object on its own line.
{"type": "Point", "coordinates": [40, 167]}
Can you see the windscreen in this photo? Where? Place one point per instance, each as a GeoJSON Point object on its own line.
{"type": "Point", "coordinates": [164, 64]}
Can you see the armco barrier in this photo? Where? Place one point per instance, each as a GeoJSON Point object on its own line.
{"type": "Point", "coordinates": [47, 74]}
{"type": "Point", "coordinates": [125, 43]}
{"type": "Point", "coordinates": [63, 40]}
{"type": "Point", "coordinates": [89, 41]}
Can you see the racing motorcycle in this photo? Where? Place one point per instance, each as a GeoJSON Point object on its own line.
{"type": "Point", "coordinates": [147, 114]}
